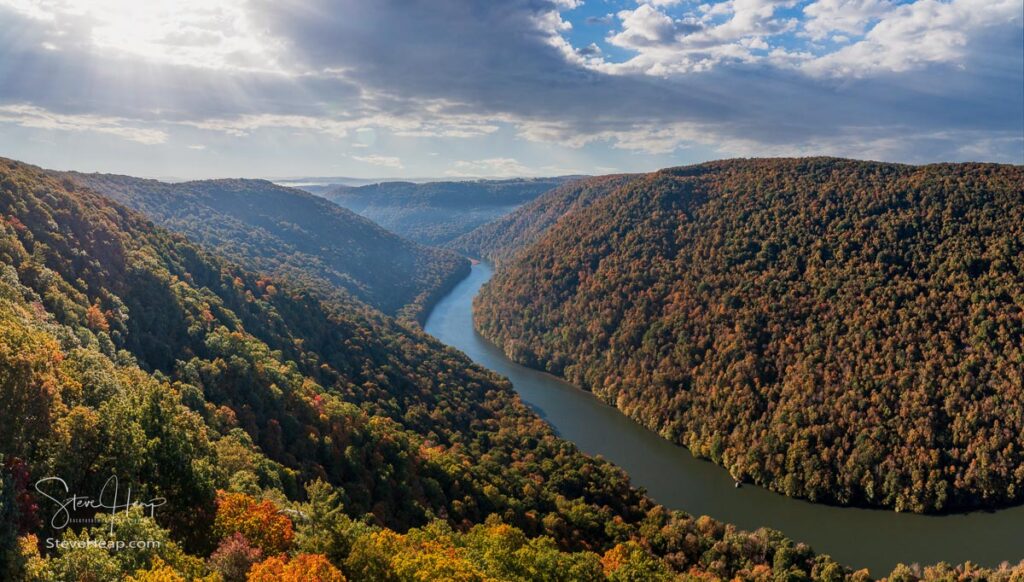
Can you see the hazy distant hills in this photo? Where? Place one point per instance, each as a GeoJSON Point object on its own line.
{"type": "Point", "coordinates": [838, 330]}
{"type": "Point", "coordinates": [292, 234]}
{"type": "Point", "coordinates": [498, 240]}
{"type": "Point", "coordinates": [434, 213]}
{"type": "Point", "coordinates": [317, 184]}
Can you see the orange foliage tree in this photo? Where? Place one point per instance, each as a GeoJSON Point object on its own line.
{"type": "Point", "coordinates": [96, 319]}
{"type": "Point", "coordinates": [301, 568]}
{"type": "Point", "coordinates": [259, 521]}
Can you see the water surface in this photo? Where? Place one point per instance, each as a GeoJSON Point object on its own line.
{"type": "Point", "coordinates": [861, 538]}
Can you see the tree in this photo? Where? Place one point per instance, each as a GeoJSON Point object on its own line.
{"type": "Point", "coordinates": [322, 526]}
{"type": "Point", "coordinates": [233, 558]}
{"type": "Point", "coordinates": [158, 572]}
{"type": "Point", "coordinates": [629, 562]}
{"type": "Point", "coordinates": [301, 568]}
{"type": "Point", "coordinates": [30, 384]}
{"type": "Point", "coordinates": [261, 522]}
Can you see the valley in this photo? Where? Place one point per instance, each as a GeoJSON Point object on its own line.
{"type": "Point", "coordinates": [435, 213]}
{"type": "Point", "coordinates": [251, 386]}
{"type": "Point", "coordinates": [291, 234]}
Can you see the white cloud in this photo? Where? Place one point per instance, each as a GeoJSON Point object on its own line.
{"type": "Point", "coordinates": [667, 45]}
{"type": "Point", "coordinates": [916, 35]}
{"type": "Point", "coordinates": [243, 125]}
{"type": "Point", "coordinates": [644, 138]}
{"type": "Point", "coordinates": [29, 8]}
{"type": "Point", "coordinates": [878, 142]}
{"type": "Point", "coordinates": [386, 161]}
{"type": "Point", "coordinates": [825, 17]}
{"type": "Point", "coordinates": [876, 36]}
{"type": "Point", "coordinates": [489, 168]}
{"type": "Point", "coordinates": [425, 118]}
{"type": "Point", "coordinates": [34, 117]}
{"type": "Point", "coordinates": [644, 27]}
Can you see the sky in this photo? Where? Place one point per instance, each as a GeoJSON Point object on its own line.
{"type": "Point", "coordinates": [460, 88]}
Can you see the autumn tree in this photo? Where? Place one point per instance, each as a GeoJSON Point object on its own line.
{"type": "Point", "coordinates": [234, 557]}
{"type": "Point", "coordinates": [301, 568]}
{"type": "Point", "coordinates": [260, 522]}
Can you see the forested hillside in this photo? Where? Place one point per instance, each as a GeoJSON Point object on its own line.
{"type": "Point", "coordinates": [849, 332]}
{"type": "Point", "coordinates": [497, 241]}
{"type": "Point", "coordinates": [295, 235]}
{"type": "Point", "coordinates": [291, 438]}
{"type": "Point", "coordinates": [434, 213]}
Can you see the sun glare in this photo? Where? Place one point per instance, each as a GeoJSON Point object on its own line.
{"type": "Point", "coordinates": [218, 34]}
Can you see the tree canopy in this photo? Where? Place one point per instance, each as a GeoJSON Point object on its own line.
{"type": "Point", "coordinates": [295, 236]}
{"type": "Point", "coordinates": [499, 240]}
{"type": "Point", "coordinates": [843, 331]}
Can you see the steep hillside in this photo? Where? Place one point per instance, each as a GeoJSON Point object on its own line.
{"type": "Point", "coordinates": [437, 212]}
{"type": "Point", "coordinates": [497, 241]}
{"type": "Point", "coordinates": [285, 433]}
{"type": "Point", "coordinates": [294, 235]}
{"type": "Point", "coordinates": [850, 332]}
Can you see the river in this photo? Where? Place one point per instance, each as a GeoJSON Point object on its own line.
{"type": "Point", "coordinates": [861, 538]}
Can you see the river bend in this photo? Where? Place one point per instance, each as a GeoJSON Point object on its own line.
{"type": "Point", "coordinates": [861, 538]}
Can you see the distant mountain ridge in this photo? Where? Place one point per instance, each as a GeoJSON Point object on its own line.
{"type": "Point", "coordinates": [290, 233]}
{"type": "Point", "coordinates": [434, 213]}
{"type": "Point", "coordinates": [844, 331]}
{"type": "Point", "coordinates": [497, 241]}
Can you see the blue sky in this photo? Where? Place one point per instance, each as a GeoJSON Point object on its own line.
{"type": "Point", "coordinates": [458, 88]}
